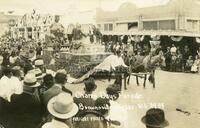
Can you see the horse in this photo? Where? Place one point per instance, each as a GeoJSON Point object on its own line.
{"type": "Point", "coordinates": [147, 65]}
{"type": "Point", "coordinates": [114, 65]}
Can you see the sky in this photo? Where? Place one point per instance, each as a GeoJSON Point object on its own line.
{"type": "Point", "coordinates": [61, 6]}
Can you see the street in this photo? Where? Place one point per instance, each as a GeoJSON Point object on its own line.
{"type": "Point", "coordinates": [176, 93]}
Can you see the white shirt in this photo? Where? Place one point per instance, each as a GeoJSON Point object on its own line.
{"type": "Point", "coordinates": [12, 59]}
{"type": "Point", "coordinates": [173, 50]}
{"type": "Point", "coordinates": [55, 124]}
{"type": "Point", "coordinates": [10, 86]}
{"type": "Point", "coordinates": [111, 61]}
{"type": "Point", "coordinates": [17, 85]}
{"type": "Point", "coordinates": [4, 88]}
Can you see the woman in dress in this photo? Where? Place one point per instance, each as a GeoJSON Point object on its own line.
{"type": "Point", "coordinates": [195, 66]}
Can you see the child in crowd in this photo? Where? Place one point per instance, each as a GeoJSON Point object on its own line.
{"type": "Point", "coordinates": [196, 64]}
{"type": "Point", "coordinates": [189, 64]}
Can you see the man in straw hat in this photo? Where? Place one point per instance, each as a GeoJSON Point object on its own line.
{"type": "Point", "coordinates": [31, 85]}
{"type": "Point", "coordinates": [62, 108]}
{"type": "Point", "coordinates": [155, 118]}
{"type": "Point", "coordinates": [38, 74]}
{"type": "Point", "coordinates": [26, 104]}
{"type": "Point", "coordinates": [39, 63]}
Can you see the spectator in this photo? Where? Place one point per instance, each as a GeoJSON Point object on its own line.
{"type": "Point", "coordinates": [155, 118]}
{"type": "Point", "coordinates": [179, 63]}
{"type": "Point", "coordinates": [5, 88]}
{"type": "Point", "coordinates": [39, 49]}
{"type": "Point", "coordinates": [173, 49]}
{"type": "Point", "coordinates": [48, 82]}
{"type": "Point", "coordinates": [39, 63]}
{"type": "Point", "coordinates": [168, 59]}
{"type": "Point", "coordinates": [86, 100]}
{"type": "Point", "coordinates": [103, 106]}
{"type": "Point", "coordinates": [57, 88]}
{"type": "Point", "coordinates": [116, 108]}
{"type": "Point", "coordinates": [173, 62]}
{"type": "Point", "coordinates": [189, 64]}
{"type": "Point", "coordinates": [13, 57]}
{"type": "Point", "coordinates": [196, 64]}
{"type": "Point", "coordinates": [1, 67]}
{"type": "Point", "coordinates": [186, 54]}
{"type": "Point", "coordinates": [26, 104]}
{"type": "Point", "coordinates": [62, 108]}
{"type": "Point", "coordinates": [198, 52]}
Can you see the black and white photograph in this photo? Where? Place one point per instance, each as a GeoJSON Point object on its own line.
{"type": "Point", "coordinates": [99, 63]}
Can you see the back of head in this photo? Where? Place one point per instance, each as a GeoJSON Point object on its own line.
{"type": "Point", "coordinates": [91, 120]}
{"type": "Point", "coordinates": [48, 80]}
{"type": "Point", "coordinates": [60, 78]}
{"type": "Point", "coordinates": [113, 92]}
{"type": "Point", "coordinates": [7, 71]}
{"type": "Point", "coordinates": [103, 105]}
{"type": "Point", "coordinates": [90, 85]}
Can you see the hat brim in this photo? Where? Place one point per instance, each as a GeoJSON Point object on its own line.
{"type": "Point", "coordinates": [164, 124]}
{"type": "Point", "coordinates": [59, 115]}
{"type": "Point", "coordinates": [33, 86]}
{"type": "Point", "coordinates": [41, 76]}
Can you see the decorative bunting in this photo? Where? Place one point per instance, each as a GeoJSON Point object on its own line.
{"type": "Point", "coordinates": [176, 38]}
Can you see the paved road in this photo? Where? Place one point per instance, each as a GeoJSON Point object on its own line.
{"type": "Point", "coordinates": [173, 91]}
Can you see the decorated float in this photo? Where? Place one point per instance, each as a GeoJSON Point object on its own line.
{"type": "Point", "coordinates": [77, 55]}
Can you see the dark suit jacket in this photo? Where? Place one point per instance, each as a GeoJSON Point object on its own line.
{"type": "Point", "coordinates": [84, 102]}
{"type": "Point", "coordinates": [24, 111]}
{"type": "Point", "coordinates": [51, 92]}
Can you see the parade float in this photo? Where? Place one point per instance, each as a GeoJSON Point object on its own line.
{"type": "Point", "coordinates": [79, 54]}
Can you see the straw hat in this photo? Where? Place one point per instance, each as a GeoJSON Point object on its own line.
{"type": "Point", "coordinates": [38, 73]}
{"type": "Point", "coordinates": [30, 80]}
{"type": "Point", "coordinates": [39, 62]}
{"type": "Point", "coordinates": [62, 106]}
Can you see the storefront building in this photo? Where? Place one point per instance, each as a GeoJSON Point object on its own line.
{"type": "Point", "coordinates": [177, 17]}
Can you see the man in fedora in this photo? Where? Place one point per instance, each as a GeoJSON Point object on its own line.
{"type": "Point", "coordinates": [25, 107]}
{"type": "Point", "coordinates": [155, 118]}
{"type": "Point", "coordinates": [62, 108]}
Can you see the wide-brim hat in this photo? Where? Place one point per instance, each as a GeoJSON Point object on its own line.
{"type": "Point", "coordinates": [39, 62]}
{"type": "Point", "coordinates": [32, 85]}
{"type": "Point", "coordinates": [38, 73]}
{"type": "Point", "coordinates": [155, 118]}
{"type": "Point", "coordinates": [30, 80]}
{"type": "Point", "coordinates": [73, 111]}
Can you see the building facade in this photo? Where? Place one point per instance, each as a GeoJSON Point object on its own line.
{"type": "Point", "coordinates": [177, 17]}
{"type": "Point", "coordinates": [6, 21]}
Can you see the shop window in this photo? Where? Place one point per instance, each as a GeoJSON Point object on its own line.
{"type": "Point", "coordinates": [150, 25]}
{"type": "Point", "coordinates": [108, 27]}
{"type": "Point", "coordinates": [192, 25]}
{"type": "Point", "coordinates": [167, 25]}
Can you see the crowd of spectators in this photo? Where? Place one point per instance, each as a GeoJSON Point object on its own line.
{"type": "Point", "coordinates": [181, 60]}
{"type": "Point", "coordinates": [176, 58]}
{"type": "Point", "coordinates": [34, 96]}
{"type": "Point", "coordinates": [38, 96]}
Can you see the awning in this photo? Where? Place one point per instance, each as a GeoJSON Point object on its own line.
{"type": "Point", "coordinates": [154, 32]}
